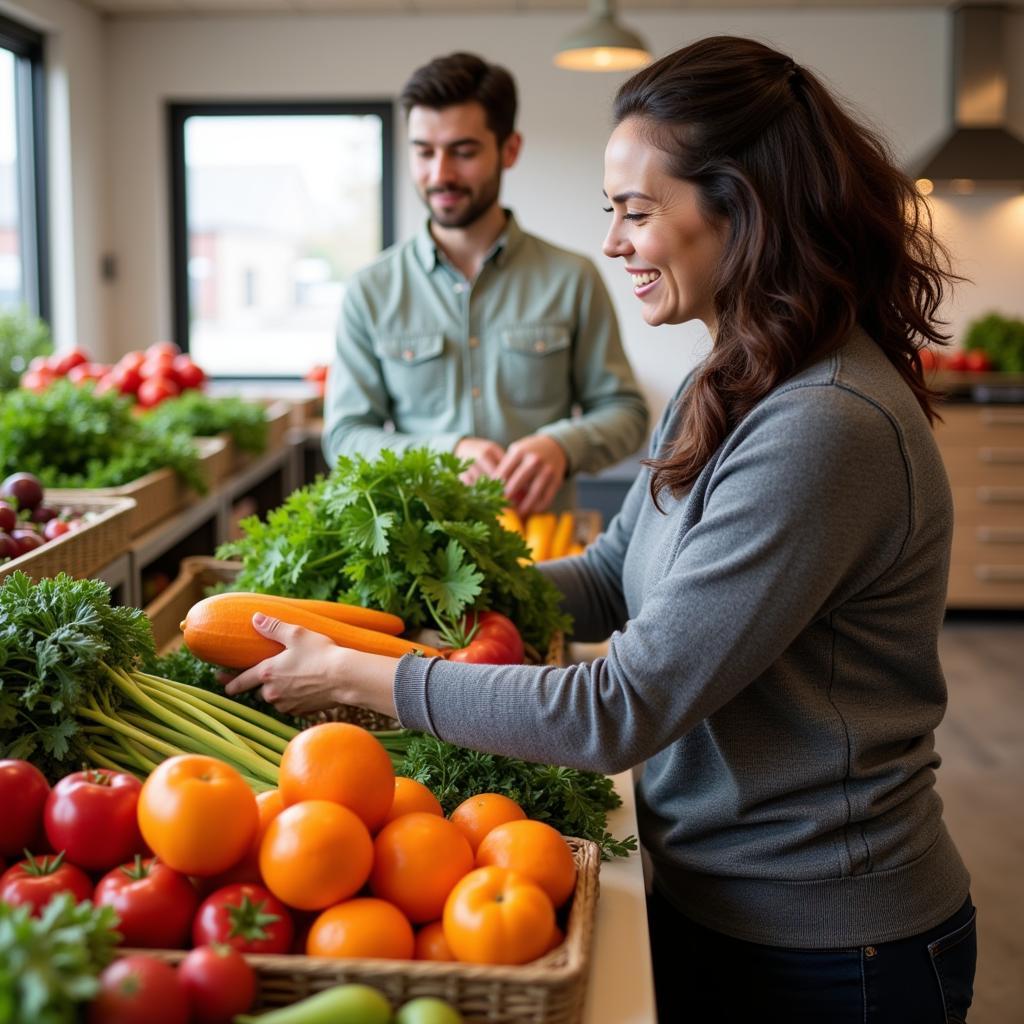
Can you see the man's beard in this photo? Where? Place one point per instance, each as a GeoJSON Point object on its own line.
{"type": "Point", "coordinates": [479, 204]}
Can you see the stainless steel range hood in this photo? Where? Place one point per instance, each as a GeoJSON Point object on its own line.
{"type": "Point", "coordinates": [980, 150]}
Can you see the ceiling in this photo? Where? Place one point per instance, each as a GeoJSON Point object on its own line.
{"type": "Point", "coordinates": [200, 7]}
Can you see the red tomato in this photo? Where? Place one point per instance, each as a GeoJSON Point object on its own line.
{"type": "Point", "coordinates": [86, 371]}
{"type": "Point", "coordinates": [977, 361]}
{"type": "Point", "coordinates": [163, 348]}
{"type": "Point", "coordinates": [36, 380]}
{"type": "Point", "coordinates": [154, 390]}
{"type": "Point", "coordinates": [157, 366]}
{"type": "Point", "coordinates": [63, 362]}
{"type": "Point", "coordinates": [127, 378]}
{"type": "Point", "coordinates": [23, 793]}
{"type": "Point", "coordinates": [494, 641]}
{"type": "Point", "coordinates": [219, 984]}
{"type": "Point", "coordinates": [139, 990]}
{"type": "Point", "coordinates": [248, 917]}
{"type": "Point", "coordinates": [956, 361]}
{"type": "Point", "coordinates": [92, 815]}
{"type": "Point", "coordinates": [37, 880]}
{"type": "Point", "coordinates": [56, 528]}
{"type": "Point", "coordinates": [186, 373]}
{"type": "Point", "coordinates": [155, 904]}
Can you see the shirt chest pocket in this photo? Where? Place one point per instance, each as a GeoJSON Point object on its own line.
{"type": "Point", "coordinates": [415, 371]}
{"type": "Point", "coordinates": [536, 365]}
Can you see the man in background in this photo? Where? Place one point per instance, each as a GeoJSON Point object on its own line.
{"type": "Point", "coordinates": [474, 336]}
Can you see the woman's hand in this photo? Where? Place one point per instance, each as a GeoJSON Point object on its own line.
{"type": "Point", "coordinates": [313, 674]}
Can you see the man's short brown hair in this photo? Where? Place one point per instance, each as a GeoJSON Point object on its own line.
{"type": "Point", "coordinates": [465, 78]}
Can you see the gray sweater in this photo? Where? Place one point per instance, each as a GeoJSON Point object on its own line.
{"type": "Point", "coordinates": [773, 659]}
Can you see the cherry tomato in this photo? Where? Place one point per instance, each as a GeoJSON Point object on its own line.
{"type": "Point", "coordinates": [494, 641]}
{"type": "Point", "coordinates": [186, 373]}
{"type": "Point", "coordinates": [92, 815]}
{"type": "Point", "coordinates": [37, 880]}
{"type": "Point", "coordinates": [162, 349]}
{"type": "Point", "coordinates": [154, 903]}
{"type": "Point", "coordinates": [139, 990]}
{"type": "Point", "coordinates": [219, 983]}
{"type": "Point", "coordinates": [23, 793]}
{"type": "Point", "coordinates": [977, 361]}
{"type": "Point", "coordinates": [156, 389]}
{"type": "Point", "coordinates": [67, 361]}
{"type": "Point", "coordinates": [956, 361]}
{"type": "Point", "coordinates": [248, 917]}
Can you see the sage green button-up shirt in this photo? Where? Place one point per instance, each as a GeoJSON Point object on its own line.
{"type": "Point", "coordinates": [426, 357]}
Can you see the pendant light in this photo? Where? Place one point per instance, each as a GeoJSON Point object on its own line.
{"type": "Point", "coordinates": [602, 44]}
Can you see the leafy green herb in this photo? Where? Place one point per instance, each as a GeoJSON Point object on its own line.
{"type": "Point", "coordinates": [71, 437]}
{"type": "Point", "coordinates": [404, 534]}
{"type": "Point", "coordinates": [574, 802]}
{"type": "Point", "coordinates": [199, 415]}
{"type": "Point", "coordinates": [22, 338]}
{"type": "Point", "coordinates": [50, 965]}
{"type": "Point", "coordinates": [1002, 340]}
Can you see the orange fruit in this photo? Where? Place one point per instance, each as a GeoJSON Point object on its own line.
{"type": "Point", "coordinates": [535, 850]}
{"type": "Point", "coordinates": [362, 927]}
{"type": "Point", "coordinates": [268, 805]}
{"type": "Point", "coordinates": [314, 854]}
{"type": "Point", "coordinates": [479, 814]}
{"type": "Point", "coordinates": [341, 763]}
{"type": "Point", "coordinates": [411, 796]}
{"type": "Point", "coordinates": [431, 943]}
{"type": "Point", "coordinates": [497, 916]}
{"type": "Point", "coordinates": [416, 861]}
{"type": "Point", "coordinates": [197, 814]}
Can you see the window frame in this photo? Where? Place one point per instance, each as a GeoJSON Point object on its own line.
{"type": "Point", "coordinates": [179, 112]}
{"type": "Point", "coordinates": [27, 45]}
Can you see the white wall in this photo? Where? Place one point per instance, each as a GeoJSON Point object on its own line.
{"type": "Point", "coordinates": [892, 64]}
{"type": "Point", "coordinates": [74, 59]}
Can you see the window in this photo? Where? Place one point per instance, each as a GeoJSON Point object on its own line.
{"type": "Point", "coordinates": [23, 277]}
{"type": "Point", "coordinates": [275, 206]}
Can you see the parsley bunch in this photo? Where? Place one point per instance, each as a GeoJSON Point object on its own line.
{"type": "Point", "coordinates": [57, 640]}
{"type": "Point", "coordinates": [199, 415]}
{"type": "Point", "coordinates": [404, 534]}
{"type": "Point", "coordinates": [572, 801]}
{"type": "Point", "coordinates": [71, 437]}
{"type": "Point", "coordinates": [50, 965]}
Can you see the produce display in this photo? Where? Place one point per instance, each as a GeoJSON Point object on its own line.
{"type": "Point", "coordinates": [27, 522]}
{"type": "Point", "coordinates": [401, 533]}
{"type": "Point", "coordinates": [147, 377]}
{"type": "Point", "coordinates": [999, 339]}
{"type": "Point", "coordinates": [197, 415]}
{"type": "Point", "coordinates": [72, 437]}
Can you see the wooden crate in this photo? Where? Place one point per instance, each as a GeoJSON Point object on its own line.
{"type": "Point", "coordinates": [550, 990]}
{"type": "Point", "coordinates": [82, 552]}
{"type": "Point", "coordinates": [157, 495]}
{"type": "Point", "coordinates": [216, 458]}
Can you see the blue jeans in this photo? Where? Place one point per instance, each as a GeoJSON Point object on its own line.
{"type": "Point", "coordinates": [704, 977]}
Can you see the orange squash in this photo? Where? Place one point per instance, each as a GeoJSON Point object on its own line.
{"type": "Point", "coordinates": [219, 630]}
{"type": "Point", "coordinates": [353, 614]}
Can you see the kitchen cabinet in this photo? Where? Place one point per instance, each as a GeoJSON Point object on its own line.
{"type": "Point", "coordinates": [983, 450]}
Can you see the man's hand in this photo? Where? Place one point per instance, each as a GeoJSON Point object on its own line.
{"type": "Point", "coordinates": [486, 456]}
{"type": "Point", "coordinates": [533, 469]}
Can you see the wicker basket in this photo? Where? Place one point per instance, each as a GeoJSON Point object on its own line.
{"type": "Point", "coordinates": [550, 990]}
{"type": "Point", "coordinates": [156, 495]}
{"type": "Point", "coordinates": [84, 551]}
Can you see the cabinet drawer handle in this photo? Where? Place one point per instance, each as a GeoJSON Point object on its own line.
{"type": "Point", "coordinates": [1002, 456]}
{"type": "Point", "coordinates": [1001, 495]}
{"type": "Point", "coordinates": [1000, 573]}
{"type": "Point", "coordinates": [999, 535]}
{"type": "Point", "coordinates": [1002, 418]}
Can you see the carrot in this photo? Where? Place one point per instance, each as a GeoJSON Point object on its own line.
{"type": "Point", "coordinates": [353, 614]}
{"type": "Point", "coordinates": [219, 630]}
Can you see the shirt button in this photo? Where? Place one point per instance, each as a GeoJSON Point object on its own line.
{"type": "Point", "coordinates": [474, 342]}
{"type": "Point", "coordinates": [539, 346]}
{"type": "Point", "coordinates": [408, 354]}
{"type": "Point", "coordinates": [458, 287]}
{"type": "Point", "coordinates": [475, 392]}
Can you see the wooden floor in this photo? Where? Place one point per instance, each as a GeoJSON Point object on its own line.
{"type": "Point", "coordinates": [981, 782]}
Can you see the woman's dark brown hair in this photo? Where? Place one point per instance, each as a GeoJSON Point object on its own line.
{"type": "Point", "coordinates": [823, 231]}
